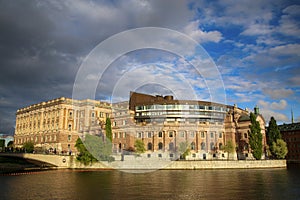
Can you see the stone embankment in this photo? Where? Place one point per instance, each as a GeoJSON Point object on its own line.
{"type": "Point", "coordinates": [186, 165]}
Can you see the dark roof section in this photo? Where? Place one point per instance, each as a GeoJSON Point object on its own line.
{"type": "Point", "coordinates": [289, 127]}
{"type": "Point", "coordinates": [244, 118]}
{"type": "Point", "coordinates": [145, 99]}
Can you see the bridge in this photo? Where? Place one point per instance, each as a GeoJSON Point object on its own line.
{"type": "Point", "coordinates": [59, 161]}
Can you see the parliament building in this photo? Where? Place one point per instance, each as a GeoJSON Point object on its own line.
{"type": "Point", "coordinates": [162, 123]}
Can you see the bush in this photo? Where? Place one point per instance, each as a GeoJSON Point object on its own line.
{"type": "Point", "coordinates": [28, 147]}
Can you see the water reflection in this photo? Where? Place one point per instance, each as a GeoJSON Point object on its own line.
{"type": "Point", "coordinates": [163, 184]}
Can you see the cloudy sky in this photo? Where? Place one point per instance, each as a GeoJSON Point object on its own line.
{"type": "Point", "coordinates": [255, 46]}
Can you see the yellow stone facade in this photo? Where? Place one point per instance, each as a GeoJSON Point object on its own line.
{"type": "Point", "coordinates": [56, 124]}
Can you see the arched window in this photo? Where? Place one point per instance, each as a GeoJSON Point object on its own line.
{"type": "Point", "coordinates": [212, 146]}
{"type": "Point", "coordinates": [220, 146]}
{"type": "Point", "coordinates": [149, 146]}
{"type": "Point", "coordinates": [160, 146]}
{"type": "Point", "coordinates": [202, 145]}
{"type": "Point", "coordinates": [171, 146]}
{"type": "Point", "coordinates": [193, 146]}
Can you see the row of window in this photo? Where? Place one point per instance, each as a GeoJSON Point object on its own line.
{"type": "Point", "coordinates": [179, 107]}
{"type": "Point", "coordinates": [46, 138]}
{"type": "Point", "coordinates": [181, 134]}
{"type": "Point", "coordinates": [172, 146]}
{"type": "Point", "coordinates": [170, 134]}
{"type": "Point", "coordinates": [186, 113]}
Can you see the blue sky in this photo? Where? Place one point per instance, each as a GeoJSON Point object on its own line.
{"type": "Point", "coordinates": [255, 46]}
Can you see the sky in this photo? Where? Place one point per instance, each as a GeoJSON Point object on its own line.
{"type": "Point", "coordinates": [253, 48]}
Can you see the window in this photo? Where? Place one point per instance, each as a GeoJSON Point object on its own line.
{"type": "Point", "coordinates": [193, 146]}
{"type": "Point", "coordinates": [160, 146]}
{"type": "Point", "coordinates": [70, 127]}
{"type": "Point", "coordinates": [245, 135]}
{"type": "Point", "coordinates": [140, 135]}
{"type": "Point", "coordinates": [149, 134]}
{"type": "Point", "coordinates": [202, 145]}
{"type": "Point", "coordinates": [202, 135]}
{"type": "Point", "coordinates": [220, 135]}
{"type": "Point", "coordinates": [160, 134]}
{"type": "Point", "coordinates": [120, 135]}
{"type": "Point", "coordinates": [93, 114]}
{"type": "Point", "coordinates": [212, 134]}
{"type": "Point", "coordinates": [101, 114]}
{"type": "Point", "coordinates": [212, 146]}
{"type": "Point", "coordinates": [192, 134]}
{"type": "Point", "coordinates": [69, 137]}
{"type": "Point", "coordinates": [149, 146]}
{"type": "Point", "coordinates": [171, 134]}
{"type": "Point", "coordinates": [181, 134]}
{"type": "Point", "coordinates": [220, 146]}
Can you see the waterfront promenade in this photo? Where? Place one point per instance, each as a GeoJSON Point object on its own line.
{"type": "Point", "coordinates": [70, 162]}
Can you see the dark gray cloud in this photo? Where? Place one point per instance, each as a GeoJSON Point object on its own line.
{"type": "Point", "coordinates": [42, 43]}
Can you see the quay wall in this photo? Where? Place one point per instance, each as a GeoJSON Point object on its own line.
{"type": "Point", "coordinates": [231, 164]}
{"type": "Point", "coordinates": [193, 165]}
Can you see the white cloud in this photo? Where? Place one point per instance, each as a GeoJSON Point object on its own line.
{"type": "Point", "coordinates": [277, 93]}
{"type": "Point", "coordinates": [281, 105]}
{"type": "Point", "coordinates": [257, 29]}
{"type": "Point", "coordinates": [267, 110]}
{"type": "Point", "coordinates": [289, 22]}
{"type": "Point", "coordinates": [193, 30]}
{"type": "Point", "coordinates": [289, 49]}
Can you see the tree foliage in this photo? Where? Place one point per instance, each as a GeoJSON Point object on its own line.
{"type": "Point", "coordinates": [28, 146]}
{"type": "Point", "coordinates": [10, 144]}
{"type": "Point", "coordinates": [99, 147]}
{"type": "Point", "coordinates": [273, 133]}
{"type": "Point", "coordinates": [184, 149]}
{"type": "Point", "coordinates": [84, 155]}
{"type": "Point", "coordinates": [229, 147]}
{"type": "Point", "coordinates": [279, 149]}
{"type": "Point", "coordinates": [139, 146]}
{"type": "Point", "coordinates": [108, 130]}
{"type": "Point", "coordinates": [255, 137]}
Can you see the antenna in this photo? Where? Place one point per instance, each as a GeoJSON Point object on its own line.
{"type": "Point", "coordinates": [292, 113]}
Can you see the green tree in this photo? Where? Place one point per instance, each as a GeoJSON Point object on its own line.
{"type": "Point", "coordinates": [84, 155]}
{"type": "Point", "coordinates": [273, 132]}
{"type": "Point", "coordinates": [229, 148]}
{"type": "Point", "coordinates": [255, 137]}
{"type": "Point", "coordinates": [184, 149]}
{"type": "Point", "coordinates": [99, 147]}
{"type": "Point", "coordinates": [108, 130]}
{"type": "Point", "coordinates": [2, 144]}
{"type": "Point", "coordinates": [28, 146]}
{"type": "Point", "coordinates": [279, 149]}
{"type": "Point", "coordinates": [139, 146]}
{"type": "Point", "coordinates": [10, 144]}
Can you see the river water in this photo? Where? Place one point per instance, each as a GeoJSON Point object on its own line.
{"type": "Point", "coordinates": [163, 184]}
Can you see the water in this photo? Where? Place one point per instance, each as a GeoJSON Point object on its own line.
{"type": "Point", "coordinates": [163, 184]}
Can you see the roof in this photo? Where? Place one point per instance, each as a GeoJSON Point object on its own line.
{"type": "Point", "coordinates": [289, 127]}
{"type": "Point", "coordinates": [244, 118]}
